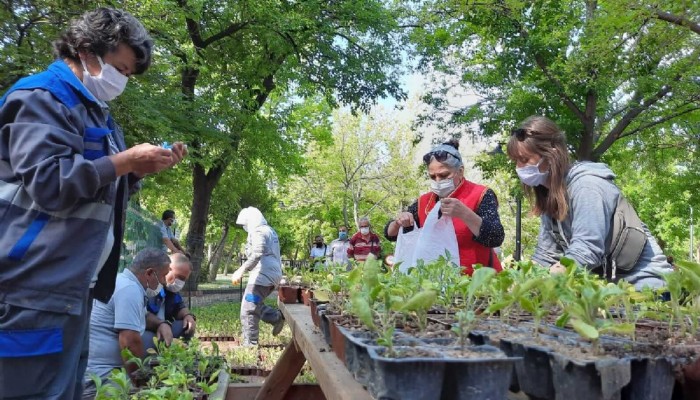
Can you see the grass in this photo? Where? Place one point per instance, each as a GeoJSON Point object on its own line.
{"type": "Point", "coordinates": [217, 284]}
{"type": "Point", "coordinates": [223, 319]}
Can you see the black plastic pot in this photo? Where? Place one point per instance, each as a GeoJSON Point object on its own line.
{"type": "Point", "coordinates": [601, 379]}
{"type": "Point", "coordinates": [652, 379]}
{"type": "Point", "coordinates": [406, 378]}
{"type": "Point", "coordinates": [507, 348]}
{"type": "Point", "coordinates": [356, 355]}
{"type": "Point", "coordinates": [486, 377]}
{"type": "Point", "coordinates": [533, 370]}
{"type": "Point", "coordinates": [325, 326]}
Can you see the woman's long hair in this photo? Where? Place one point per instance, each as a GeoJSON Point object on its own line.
{"type": "Point", "coordinates": [539, 135]}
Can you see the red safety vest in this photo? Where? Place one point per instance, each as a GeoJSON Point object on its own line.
{"type": "Point", "coordinates": [470, 252]}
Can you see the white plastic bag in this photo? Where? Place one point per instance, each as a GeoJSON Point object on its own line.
{"type": "Point", "coordinates": [405, 248]}
{"type": "Point", "coordinates": [437, 237]}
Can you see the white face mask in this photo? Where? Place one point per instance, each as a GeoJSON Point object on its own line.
{"type": "Point", "coordinates": [106, 86]}
{"type": "Point", "coordinates": [176, 286]}
{"type": "Point", "coordinates": [364, 231]}
{"type": "Point", "coordinates": [151, 293]}
{"type": "Point", "coordinates": [531, 175]}
{"type": "Point", "coordinates": [442, 188]}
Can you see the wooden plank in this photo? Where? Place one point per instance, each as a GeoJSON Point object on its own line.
{"type": "Point", "coordinates": [299, 391]}
{"type": "Point", "coordinates": [332, 375]}
{"type": "Point", "coordinates": [282, 375]}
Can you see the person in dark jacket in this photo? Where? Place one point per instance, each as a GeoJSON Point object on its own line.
{"type": "Point", "coordinates": [174, 319]}
{"type": "Point", "coordinates": [65, 178]}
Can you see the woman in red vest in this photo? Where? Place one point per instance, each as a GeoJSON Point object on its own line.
{"type": "Point", "coordinates": [473, 208]}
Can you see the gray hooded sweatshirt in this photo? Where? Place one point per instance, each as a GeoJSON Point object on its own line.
{"type": "Point", "coordinates": [262, 249]}
{"type": "Point", "coordinates": [587, 230]}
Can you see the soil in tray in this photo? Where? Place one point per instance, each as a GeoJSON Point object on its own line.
{"type": "Point", "coordinates": [412, 352]}
{"type": "Point", "coordinates": [433, 330]}
{"type": "Point", "coordinates": [467, 353]}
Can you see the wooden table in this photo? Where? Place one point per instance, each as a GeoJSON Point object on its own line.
{"type": "Point", "coordinates": [308, 345]}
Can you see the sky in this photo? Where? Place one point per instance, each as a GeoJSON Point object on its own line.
{"type": "Point", "coordinates": [416, 85]}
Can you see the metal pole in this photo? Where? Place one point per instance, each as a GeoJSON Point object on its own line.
{"type": "Point", "coordinates": [518, 212]}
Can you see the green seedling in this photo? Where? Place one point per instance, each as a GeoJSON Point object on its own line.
{"type": "Point", "coordinates": [587, 306]}
{"type": "Point", "coordinates": [471, 289]}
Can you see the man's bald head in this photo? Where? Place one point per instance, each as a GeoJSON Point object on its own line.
{"type": "Point", "coordinates": [180, 268]}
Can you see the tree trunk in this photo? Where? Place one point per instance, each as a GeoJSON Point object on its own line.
{"type": "Point", "coordinates": [215, 259]}
{"type": "Point", "coordinates": [345, 213]}
{"type": "Point", "coordinates": [203, 184]}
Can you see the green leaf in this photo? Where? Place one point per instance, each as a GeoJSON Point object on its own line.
{"type": "Point", "coordinates": [585, 330]}
{"type": "Point", "coordinates": [362, 309]}
{"type": "Point", "coordinates": [480, 277]}
{"type": "Point", "coordinates": [494, 307]}
{"type": "Point", "coordinates": [420, 301]}
{"type": "Point", "coordinates": [321, 295]}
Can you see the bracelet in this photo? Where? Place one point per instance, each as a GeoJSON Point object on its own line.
{"type": "Point", "coordinates": [194, 317]}
{"type": "Point", "coordinates": [170, 324]}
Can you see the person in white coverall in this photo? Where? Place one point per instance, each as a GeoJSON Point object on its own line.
{"type": "Point", "coordinates": [265, 266]}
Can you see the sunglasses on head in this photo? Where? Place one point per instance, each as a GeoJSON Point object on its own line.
{"type": "Point", "coordinates": [440, 156]}
{"type": "Point", "coordinates": [519, 133]}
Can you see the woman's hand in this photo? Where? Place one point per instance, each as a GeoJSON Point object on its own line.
{"type": "Point", "coordinates": [453, 208]}
{"type": "Point", "coordinates": [405, 219]}
{"type": "Point", "coordinates": [557, 268]}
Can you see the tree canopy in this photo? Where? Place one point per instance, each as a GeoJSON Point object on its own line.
{"type": "Point", "coordinates": [605, 71]}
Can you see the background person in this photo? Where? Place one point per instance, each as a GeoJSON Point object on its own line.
{"type": "Point", "coordinates": [170, 241]}
{"type": "Point", "coordinates": [119, 323]}
{"type": "Point", "coordinates": [265, 266]}
{"type": "Point", "coordinates": [338, 249]}
{"type": "Point", "coordinates": [169, 307]}
{"type": "Point", "coordinates": [364, 242]}
{"type": "Point", "coordinates": [65, 178]}
{"type": "Point", "coordinates": [578, 200]}
{"type": "Point", "coordinates": [473, 208]}
{"type": "Point", "coordinates": [318, 253]}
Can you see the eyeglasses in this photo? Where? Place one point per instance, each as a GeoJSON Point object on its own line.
{"type": "Point", "coordinates": [440, 156]}
{"type": "Point", "coordinates": [519, 133]}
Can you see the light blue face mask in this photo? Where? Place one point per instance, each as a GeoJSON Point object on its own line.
{"type": "Point", "coordinates": [531, 175]}
{"type": "Point", "coordinates": [342, 235]}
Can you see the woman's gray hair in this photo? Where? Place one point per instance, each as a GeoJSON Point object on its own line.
{"type": "Point", "coordinates": [452, 160]}
{"type": "Point", "coordinates": [103, 30]}
{"type": "Point", "coordinates": [363, 219]}
{"type": "Point", "coordinates": [149, 258]}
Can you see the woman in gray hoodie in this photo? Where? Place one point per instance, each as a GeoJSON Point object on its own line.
{"type": "Point", "coordinates": [576, 203]}
{"type": "Point", "coordinates": [263, 261]}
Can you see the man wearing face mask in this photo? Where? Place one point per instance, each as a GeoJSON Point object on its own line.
{"type": "Point", "coordinates": [472, 207]}
{"type": "Point", "coordinates": [174, 319]}
{"type": "Point", "coordinates": [364, 242]}
{"type": "Point", "coordinates": [338, 249]}
{"type": "Point", "coordinates": [170, 242]}
{"type": "Point", "coordinates": [65, 179]}
{"type": "Point", "coordinates": [318, 253]}
{"type": "Point", "coordinates": [119, 323]}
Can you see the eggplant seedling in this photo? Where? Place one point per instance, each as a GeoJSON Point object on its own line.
{"type": "Point", "coordinates": [471, 289]}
